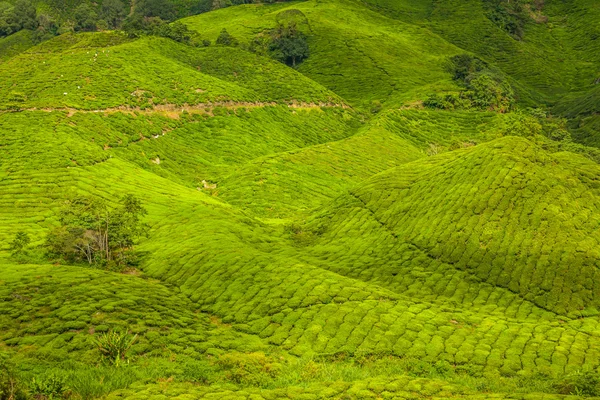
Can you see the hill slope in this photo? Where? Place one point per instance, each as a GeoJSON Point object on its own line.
{"type": "Point", "coordinates": [313, 232]}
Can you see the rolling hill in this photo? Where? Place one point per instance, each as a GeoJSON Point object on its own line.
{"type": "Point", "coordinates": [317, 232]}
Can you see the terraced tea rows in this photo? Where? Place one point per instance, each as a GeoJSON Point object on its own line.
{"type": "Point", "coordinates": [313, 232]}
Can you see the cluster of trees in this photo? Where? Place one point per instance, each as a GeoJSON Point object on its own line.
{"type": "Point", "coordinates": [92, 232]}
{"type": "Point", "coordinates": [484, 88]}
{"type": "Point", "coordinates": [21, 15]}
{"type": "Point", "coordinates": [142, 18]}
{"type": "Point", "coordinates": [286, 42]}
{"type": "Point", "coordinates": [147, 15]}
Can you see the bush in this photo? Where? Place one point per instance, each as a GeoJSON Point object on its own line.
{"type": "Point", "coordinates": [225, 39]}
{"type": "Point", "coordinates": [521, 124]}
{"type": "Point", "coordinates": [463, 65]}
{"type": "Point", "coordinates": [489, 91]}
{"type": "Point", "coordinates": [197, 372]}
{"type": "Point", "coordinates": [485, 89]}
{"type": "Point", "coordinates": [254, 369]}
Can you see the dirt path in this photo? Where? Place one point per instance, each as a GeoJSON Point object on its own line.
{"type": "Point", "coordinates": [174, 111]}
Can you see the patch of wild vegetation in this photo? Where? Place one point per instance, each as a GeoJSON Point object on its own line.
{"type": "Point", "coordinates": [512, 15]}
{"type": "Point", "coordinates": [92, 232]}
{"type": "Point", "coordinates": [484, 88]}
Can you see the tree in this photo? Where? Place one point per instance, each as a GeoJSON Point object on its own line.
{"type": "Point", "coordinates": [19, 244]}
{"type": "Point", "coordinates": [113, 12]}
{"type": "Point", "coordinates": [85, 18]}
{"type": "Point", "coordinates": [47, 28]}
{"type": "Point", "coordinates": [91, 231]}
{"type": "Point", "coordinates": [162, 9]}
{"type": "Point", "coordinates": [7, 20]}
{"type": "Point", "coordinates": [463, 65]}
{"type": "Point", "coordinates": [288, 44]}
{"type": "Point", "coordinates": [25, 15]}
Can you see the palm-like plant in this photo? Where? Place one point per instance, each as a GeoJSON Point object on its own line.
{"type": "Point", "coordinates": [115, 345]}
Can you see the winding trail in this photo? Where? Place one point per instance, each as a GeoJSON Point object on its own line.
{"type": "Point", "coordinates": [174, 110]}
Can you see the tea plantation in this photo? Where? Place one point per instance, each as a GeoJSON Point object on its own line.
{"type": "Point", "coordinates": [409, 210]}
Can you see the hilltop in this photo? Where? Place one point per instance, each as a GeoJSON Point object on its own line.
{"type": "Point", "coordinates": [409, 210]}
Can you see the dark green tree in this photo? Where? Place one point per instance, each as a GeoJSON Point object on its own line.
{"type": "Point", "coordinates": [289, 45]}
{"type": "Point", "coordinates": [85, 18]}
{"type": "Point", "coordinates": [175, 31]}
{"type": "Point", "coordinates": [47, 28]}
{"type": "Point", "coordinates": [20, 243]}
{"type": "Point", "coordinates": [463, 65]}
{"type": "Point", "coordinates": [24, 14]}
{"type": "Point", "coordinates": [162, 9]}
{"type": "Point", "coordinates": [113, 12]}
{"type": "Point", "coordinates": [8, 24]}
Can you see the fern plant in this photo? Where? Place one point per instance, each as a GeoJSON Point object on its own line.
{"type": "Point", "coordinates": [114, 345]}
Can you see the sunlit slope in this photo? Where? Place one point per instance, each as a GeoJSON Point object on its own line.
{"type": "Point", "coordinates": [504, 213]}
{"type": "Point", "coordinates": [49, 156]}
{"type": "Point", "coordinates": [398, 387]}
{"type": "Point", "coordinates": [59, 318]}
{"type": "Point", "coordinates": [285, 183]}
{"type": "Point", "coordinates": [357, 53]}
{"type": "Point", "coordinates": [558, 52]}
{"type": "Point", "coordinates": [254, 280]}
{"type": "Point", "coordinates": [581, 109]}
{"type": "Point", "coordinates": [99, 71]}
{"type": "Point", "coordinates": [15, 44]}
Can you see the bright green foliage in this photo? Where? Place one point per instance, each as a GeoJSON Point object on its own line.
{"type": "Point", "coordinates": [49, 386]}
{"type": "Point", "coordinates": [344, 39]}
{"type": "Point", "coordinates": [312, 232]}
{"type": "Point", "coordinates": [253, 369]}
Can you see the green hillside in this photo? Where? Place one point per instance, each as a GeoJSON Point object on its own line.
{"type": "Point", "coordinates": [412, 210]}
